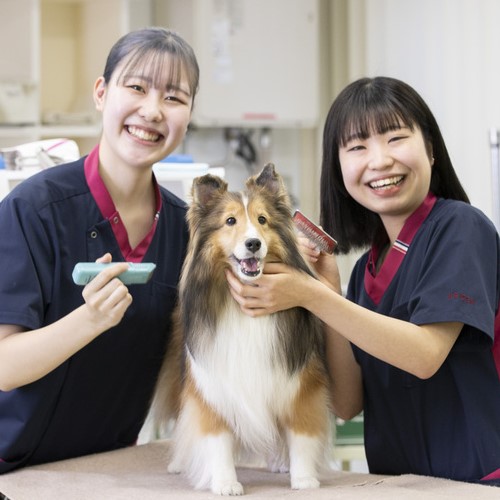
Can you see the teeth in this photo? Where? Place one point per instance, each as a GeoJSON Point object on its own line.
{"type": "Point", "coordinates": [386, 183]}
{"type": "Point", "coordinates": [251, 267]}
{"type": "Point", "coordinates": [143, 134]}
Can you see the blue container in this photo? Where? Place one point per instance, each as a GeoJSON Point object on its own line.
{"type": "Point", "coordinates": [177, 159]}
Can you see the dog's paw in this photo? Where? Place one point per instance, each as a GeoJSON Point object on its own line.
{"type": "Point", "coordinates": [304, 483]}
{"type": "Point", "coordinates": [174, 467]}
{"type": "Point", "coordinates": [227, 489]}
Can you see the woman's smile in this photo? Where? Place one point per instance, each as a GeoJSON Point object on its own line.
{"type": "Point", "coordinates": [143, 134]}
{"type": "Point", "coordinates": [387, 183]}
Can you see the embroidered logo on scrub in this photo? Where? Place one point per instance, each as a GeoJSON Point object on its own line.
{"type": "Point", "coordinates": [462, 297]}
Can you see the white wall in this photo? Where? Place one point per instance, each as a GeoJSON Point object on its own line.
{"type": "Point", "coordinates": [449, 50]}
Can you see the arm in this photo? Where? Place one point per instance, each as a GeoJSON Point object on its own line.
{"type": "Point", "coordinates": [26, 356]}
{"type": "Point", "coordinates": [417, 349]}
{"type": "Point", "coordinates": [346, 384]}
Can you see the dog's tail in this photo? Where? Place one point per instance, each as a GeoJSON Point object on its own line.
{"type": "Point", "coordinates": [166, 400]}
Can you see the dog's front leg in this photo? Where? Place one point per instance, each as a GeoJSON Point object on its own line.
{"type": "Point", "coordinates": [305, 451]}
{"type": "Point", "coordinates": [220, 449]}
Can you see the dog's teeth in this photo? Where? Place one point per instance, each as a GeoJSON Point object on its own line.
{"type": "Point", "coordinates": [249, 266]}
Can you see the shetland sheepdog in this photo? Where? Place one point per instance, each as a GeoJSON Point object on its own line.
{"type": "Point", "coordinates": [258, 384]}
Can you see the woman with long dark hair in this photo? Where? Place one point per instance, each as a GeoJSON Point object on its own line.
{"type": "Point", "coordinates": [415, 344]}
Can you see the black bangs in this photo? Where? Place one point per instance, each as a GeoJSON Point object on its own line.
{"type": "Point", "coordinates": [163, 69]}
{"type": "Point", "coordinates": [366, 118]}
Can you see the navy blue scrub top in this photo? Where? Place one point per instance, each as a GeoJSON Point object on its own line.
{"type": "Point", "coordinates": [98, 399]}
{"type": "Point", "coordinates": [445, 266]}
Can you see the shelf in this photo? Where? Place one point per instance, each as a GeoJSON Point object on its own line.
{"type": "Point", "coordinates": [70, 130]}
{"type": "Point", "coordinates": [9, 131]}
{"type": "Point", "coordinates": [84, 135]}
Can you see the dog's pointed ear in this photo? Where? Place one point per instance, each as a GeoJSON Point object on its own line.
{"type": "Point", "coordinates": [269, 179]}
{"type": "Point", "coordinates": [206, 187]}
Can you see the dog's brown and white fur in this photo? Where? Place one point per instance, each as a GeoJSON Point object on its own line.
{"type": "Point", "coordinates": [257, 383]}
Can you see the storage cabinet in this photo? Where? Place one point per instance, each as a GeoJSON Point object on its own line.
{"type": "Point", "coordinates": [53, 50]}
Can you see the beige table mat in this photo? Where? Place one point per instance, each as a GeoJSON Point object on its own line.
{"type": "Point", "coordinates": [139, 472]}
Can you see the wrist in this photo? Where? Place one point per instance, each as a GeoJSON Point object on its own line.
{"type": "Point", "coordinates": [310, 292]}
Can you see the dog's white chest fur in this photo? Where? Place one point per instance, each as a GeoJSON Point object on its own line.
{"type": "Point", "coordinates": [240, 377]}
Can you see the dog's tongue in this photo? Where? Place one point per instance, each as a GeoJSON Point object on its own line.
{"type": "Point", "coordinates": [249, 265]}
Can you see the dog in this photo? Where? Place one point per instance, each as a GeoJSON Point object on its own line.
{"type": "Point", "coordinates": [258, 384]}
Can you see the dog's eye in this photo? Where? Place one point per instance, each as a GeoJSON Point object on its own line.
{"type": "Point", "coordinates": [231, 221]}
{"type": "Point", "coordinates": [262, 220]}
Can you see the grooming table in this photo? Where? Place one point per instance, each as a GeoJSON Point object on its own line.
{"type": "Point", "coordinates": [139, 472]}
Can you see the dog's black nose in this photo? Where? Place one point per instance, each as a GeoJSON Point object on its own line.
{"type": "Point", "coordinates": [253, 244]}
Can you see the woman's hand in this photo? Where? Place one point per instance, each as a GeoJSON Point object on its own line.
{"type": "Point", "coordinates": [26, 356]}
{"type": "Point", "coordinates": [106, 297]}
{"type": "Point", "coordinates": [308, 249]}
{"type": "Point", "coordinates": [282, 287]}
{"type": "Point", "coordinates": [324, 265]}
{"type": "Point", "coordinates": [279, 288]}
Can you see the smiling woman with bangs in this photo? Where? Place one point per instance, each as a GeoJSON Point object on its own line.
{"type": "Point", "coordinates": [77, 369]}
{"type": "Point", "coordinates": [415, 344]}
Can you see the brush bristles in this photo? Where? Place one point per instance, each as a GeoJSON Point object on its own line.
{"type": "Point", "coordinates": [314, 233]}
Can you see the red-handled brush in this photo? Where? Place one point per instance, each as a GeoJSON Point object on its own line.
{"type": "Point", "coordinates": [314, 233]}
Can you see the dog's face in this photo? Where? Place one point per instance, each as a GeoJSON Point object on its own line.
{"type": "Point", "coordinates": [244, 236]}
{"type": "Point", "coordinates": [241, 226]}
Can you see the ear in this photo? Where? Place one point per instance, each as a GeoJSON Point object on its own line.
{"type": "Point", "coordinates": [268, 179]}
{"type": "Point", "coordinates": [99, 93]}
{"type": "Point", "coordinates": [206, 188]}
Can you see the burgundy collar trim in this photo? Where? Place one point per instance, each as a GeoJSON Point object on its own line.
{"type": "Point", "coordinates": [376, 283]}
{"type": "Point", "coordinates": [108, 210]}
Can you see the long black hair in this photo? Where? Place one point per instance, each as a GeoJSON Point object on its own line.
{"type": "Point", "coordinates": [364, 107]}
